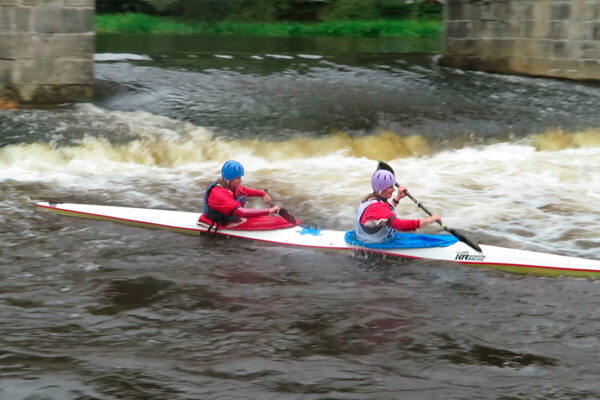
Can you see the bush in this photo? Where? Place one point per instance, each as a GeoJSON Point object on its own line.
{"type": "Point", "coordinates": [343, 10]}
{"type": "Point", "coordinates": [123, 6]}
{"type": "Point", "coordinates": [235, 10]}
{"type": "Point", "coordinates": [275, 10]}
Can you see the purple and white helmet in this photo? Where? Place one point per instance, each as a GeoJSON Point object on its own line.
{"type": "Point", "coordinates": [382, 180]}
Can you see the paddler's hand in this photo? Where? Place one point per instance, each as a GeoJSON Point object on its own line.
{"type": "Point", "coordinates": [401, 193]}
{"type": "Point", "coordinates": [429, 220]}
{"type": "Point", "coordinates": [274, 210]}
{"type": "Point", "coordinates": [266, 198]}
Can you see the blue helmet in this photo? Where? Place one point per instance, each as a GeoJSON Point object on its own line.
{"type": "Point", "coordinates": [231, 170]}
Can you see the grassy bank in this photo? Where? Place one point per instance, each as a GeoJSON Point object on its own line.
{"type": "Point", "coordinates": [142, 23]}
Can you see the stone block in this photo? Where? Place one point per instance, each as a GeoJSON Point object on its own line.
{"type": "Point", "coordinates": [487, 13]}
{"type": "Point", "coordinates": [591, 11]}
{"type": "Point", "coordinates": [455, 11]}
{"type": "Point", "coordinates": [501, 29]}
{"type": "Point", "coordinates": [474, 11]}
{"type": "Point", "coordinates": [6, 18]}
{"type": "Point", "coordinates": [54, 93]}
{"type": "Point", "coordinates": [558, 30]}
{"type": "Point", "coordinates": [79, 3]}
{"type": "Point", "coordinates": [7, 46]}
{"type": "Point", "coordinates": [33, 71]}
{"type": "Point", "coordinates": [591, 69]}
{"type": "Point", "coordinates": [541, 10]}
{"type": "Point", "coordinates": [52, 71]}
{"type": "Point", "coordinates": [589, 50]}
{"type": "Point", "coordinates": [540, 48]}
{"type": "Point", "coordinates": [529, 48]}
{"type": "Point", "coordinates": [559, 49]}
{"type": "Point", "coordinates": [464, 47]}
{"type": "Point", "coordinates": [522, 11]}
{"type": "Point", "coordinates": [518, 29]}
{"type": "Point", "coordinates": [595, 31]}
{"type": "Point", "coordinates": [496, 29]}
{"type": "Point", "coordinates": [518, 65]}
{"type": "Point", "coordinates": [42, 3]}
{"type": "Point", "coordinates": [9, 2]}
{"type": "Point", "coordinates": [578, 10]}
{"type": "Point", "coordinates": [25, 46]}
{"type": "Point", "coordinates": [539, 66]}
{"type": "Point", "coordinates": [578, 31]}
{"type": "Point", "coordinates": [64, 20]}
{"type": "Point", "coordinates": [6, 67]}
{"type": "Point", "coordinates": [497, 48]}
{"type": "Point", "coordinates": [457, 29]}
{"type": "Point", "coordinates": [474, 29]}
{"type": "Point", "coordinates": [501, 11]}
{"type": "Point", "coordinates": [23, 17]}
{"type": "Point", "coordinates": [560, 11]}
{"type": "Point", "coordinates": [528, 29]}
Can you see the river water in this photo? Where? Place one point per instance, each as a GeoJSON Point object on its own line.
{"type": "Point", "coordinates": [97, 310]}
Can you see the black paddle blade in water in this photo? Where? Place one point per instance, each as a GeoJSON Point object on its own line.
{"type": "Point", "coordinates": [464, 239]}
{"type": "Point", "coordinates": [287, 215]}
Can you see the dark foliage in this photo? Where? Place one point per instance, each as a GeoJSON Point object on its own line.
{"type": "Point", "coordinates": [275, 10]}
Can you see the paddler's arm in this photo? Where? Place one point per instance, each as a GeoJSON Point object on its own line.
{"type": "Point", "coordinates": [404, 225]}
{"type": "Point", "coordinates": [249, 192]}
{"type": "Point", "coordinates": [411, 224]}
{"type": "Point", "coordinates": [255, 212]}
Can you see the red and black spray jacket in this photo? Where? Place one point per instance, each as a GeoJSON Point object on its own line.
{"type": "Point", "coordinates": [222, 206]}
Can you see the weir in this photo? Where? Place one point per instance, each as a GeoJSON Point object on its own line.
{"type": "Point", "coordinates": [554, 38]}
{"type": "Point", "coordinates": [46, 50]}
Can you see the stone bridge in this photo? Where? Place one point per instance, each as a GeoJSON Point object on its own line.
{"type": "Point", "coordinates": [555, 38]}
{"type": "Point", "coordinates": [46, 50]}
{"type": "Point", "coordinates": [47, 46]}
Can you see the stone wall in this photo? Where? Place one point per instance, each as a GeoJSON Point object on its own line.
{"type": "Point", "coordinates": [557, 38]}
{"type": "Point", "coordinates": [46, 50]}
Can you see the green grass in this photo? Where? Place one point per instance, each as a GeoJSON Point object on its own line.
{"type": "Point", "coordinates": [142, 23]}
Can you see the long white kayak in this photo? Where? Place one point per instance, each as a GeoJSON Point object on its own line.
{"type": "Point", "coordinates": [512, 260]}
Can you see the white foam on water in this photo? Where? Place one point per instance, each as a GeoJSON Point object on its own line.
{"type": "Point", "coordinates": [310, 56]}
{"type": "Point", "coordinates": [280, 56]}
{"type": "Point", "coordinates": [510, 190]}
{"type": "Point", "coordinates": [120, 57]}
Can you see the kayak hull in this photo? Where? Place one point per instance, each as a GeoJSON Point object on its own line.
{"type": "Point", "coordinates": [511, 260]}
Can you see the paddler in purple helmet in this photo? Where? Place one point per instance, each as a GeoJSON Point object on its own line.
{"type": "Point", "coordinates": [376, 220]}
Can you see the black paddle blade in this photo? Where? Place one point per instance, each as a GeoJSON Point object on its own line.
{"type": "Point", "coordinates": [385, 166]}
{"type": "Point", "coordinates": [464, 239]}
{"type": "Point", "coordinates": [287, 215]}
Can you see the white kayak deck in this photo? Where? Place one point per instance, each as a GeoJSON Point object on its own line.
{"type": "Point", "coordinates": [513, 260]}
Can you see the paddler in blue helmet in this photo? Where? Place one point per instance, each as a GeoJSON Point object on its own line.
{"type": "Point", "coordinates": [225, 199]}
{"type": "Point", "coordinates": [376, 220]}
